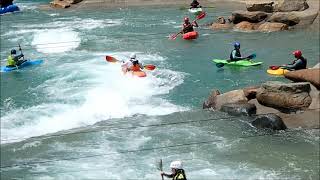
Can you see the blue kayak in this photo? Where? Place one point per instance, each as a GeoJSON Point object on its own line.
{"type": "Point", "coordinates": [10, 8]}
{"type": "Point", "coordinates": [24, 64]}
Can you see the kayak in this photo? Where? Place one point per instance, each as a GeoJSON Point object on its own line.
{"type": "Point", "coordinates": [279, 71]}
{"type": "Point", "coordinates": [190, 35]}
{"type": "Point", "coordinates": [10, 8]}
{"type": "Point", "coordinates": [24, 64]}
{"type": "Point", "coordinates": [195, 11]}
{"type": "Point", "coordinates": [237, 63]}
{"type": "Point", "coordinates": [139, 73]}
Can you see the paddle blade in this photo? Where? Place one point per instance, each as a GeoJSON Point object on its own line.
{"type": "Point", "coordinates": [201, 15]}
{"type": "Point", "coordinates": [111, 59]}
{"type": "Point", "coordinates": [150, 67]}
{"type": "Point", "coordinates": [274, 67]}
{"type": "Point", "coordinates": [219, 65]}
{"type": "Point", "coordinates": [252, 56]}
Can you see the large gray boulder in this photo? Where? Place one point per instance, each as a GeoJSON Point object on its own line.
{"type": "Point", "coordinates": [252, 17]}
{"type": "Point", "coordinates": [305, 75]}
{"type": "Point", "coordinates": [284, 96]}
{"type": "Point", "coordinates": [290, 19]}
{"type": "Point", "coordinates": [216, 100]}
{"type": "Point", "coordinates": [291, 5]}
{"type": "Point", "coordinates": [260, 6]}
{"type": "Point", "coordinates": [272, 27]}
{"type": "Point", "coordinates": [269, 121]}
{"type": "Point", "coordinates": [239, 109]}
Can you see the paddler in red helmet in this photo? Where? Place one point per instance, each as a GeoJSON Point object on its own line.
{"type": "Point", "coordinates": [299, 63]}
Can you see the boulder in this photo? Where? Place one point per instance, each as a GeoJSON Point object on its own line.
{"type": "Point", "coordinates": [269, 121]}
{"type": "Point", "coordinates": [253, 17]}
{"type": "Point", "coordinates": [238, 109]}
{"type": "Point", "coordinates": [315, 96]}
{"type": "Point", "coordinates": [291, 5]}
{"type": "Point", "coordinates": [73, 1]}
{"type": "Point", "coordinates": [216, 100]}
{"type": "Point", "coordinates": [307, 17]}
{"type": "Point", "coordinates": [217, 26]}
{"type": "Point", "coordinates": [221, 20]}
{"type": "Point", "coordinates": [306, 119]}
{"type": "Point", "coordinates": [284, 96]}
{"type": "Point", "coordinates": [211, 101]}
{"type": "Point", "coordinates": [60, 4]}
{"type": "Point", "coordinates": [251, 92]}
{"type": "Point", "coordinates": [316, 66]}
{"type": "Point", "coordinates": [289, 19]}
{"type": "Point", "coordinates": [305, 75]}
{"type": "Point", "coordinates": [260, 6]}
{"type": "Point", "coordinates": [271, 27]}
{"type": "Point", "coordinates": [245, 26]}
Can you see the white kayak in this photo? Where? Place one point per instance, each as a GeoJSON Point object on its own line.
{"type": "Point", "coordinates": [195, 10]}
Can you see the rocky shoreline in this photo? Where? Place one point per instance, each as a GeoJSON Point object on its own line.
{"type": "Point", "coordinates": [274, 104]}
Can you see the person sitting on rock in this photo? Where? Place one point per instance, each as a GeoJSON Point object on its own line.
{"type": "Point", "coordinates": [195, 4]}
{"type": "Point", "coordinates": [14, 60]}
{"type": "Point", "coordinates": [299, 63]}
{"type": "Point", "coordinates": [187, 26]}
{"type": "Point", "coordinates": [235, 54]}
{"type": "Point", "coordinates": [177, 171]}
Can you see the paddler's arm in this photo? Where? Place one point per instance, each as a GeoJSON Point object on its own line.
{"type": "Point", "coordinates": [195, 24]}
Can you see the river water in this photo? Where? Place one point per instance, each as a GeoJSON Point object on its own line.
{"type": "Point", "coordinates": [77, 116]}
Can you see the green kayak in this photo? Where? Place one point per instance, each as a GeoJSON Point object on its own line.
{"type": "Point", "coordinates": [237, 63]}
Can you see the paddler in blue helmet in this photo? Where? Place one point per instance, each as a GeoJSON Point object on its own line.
{"type": "Point", "coordinates": [235, 54]}
{"type": "Point", "coordinates": [14, 59]}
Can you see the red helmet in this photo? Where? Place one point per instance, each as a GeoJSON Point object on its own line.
{"type": "Point", "coordinates": [297, 53]}
{"type": "Point", "coordinates": [186, 19]}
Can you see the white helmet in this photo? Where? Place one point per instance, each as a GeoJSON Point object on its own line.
{"type": "Point", "coordinates": [133, 56]}
{"type": "Point", "coordinates": [176, 165]}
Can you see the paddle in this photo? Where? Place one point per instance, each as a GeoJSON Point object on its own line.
{"type": "Point", "coordinates": [252, 56]}
{"type": "Point", "coordinates": [160, 167]}
{"type": "Point", "coordinates": [200, 16]}
{"type": "Point", "coordinates": [114, 60]}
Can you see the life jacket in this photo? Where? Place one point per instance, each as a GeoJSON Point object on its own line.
{"type": "Point", "coordinates": [238, 54]}
{"type": "Point", "coordinates": [187, 28]}
{"type": "Point", "coordinates": [10, 61]}
{"type": "Point", "coordinates": [135, 67]}
{"type": "Point", "coordinates": [180, 175]}
{"type": "Point", "coordinates": [304, 65]}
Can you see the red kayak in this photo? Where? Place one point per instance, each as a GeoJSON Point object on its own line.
{"type": "Point", "coordinates": [190, 35]}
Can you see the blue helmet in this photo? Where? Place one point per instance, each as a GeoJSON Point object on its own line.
{"type": "Point", "coordinates": [236, 45]}
{"type": "Point", "coordinates": [13, 51]}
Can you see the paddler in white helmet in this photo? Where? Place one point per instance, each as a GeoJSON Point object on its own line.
{"type": "Point", "coordinates": [177, 173]}
{"type": "Point", "coordinates": [132, 65]}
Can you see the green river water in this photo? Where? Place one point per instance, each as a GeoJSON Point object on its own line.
{"type": "Point", "coordinates": [77, 116]}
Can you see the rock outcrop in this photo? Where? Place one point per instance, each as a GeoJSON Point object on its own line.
{"type": "Point", "coordinates": [269, 121]}
{"type": "Point", "coordinates": [272, 27]}
{"type": "Point", "coordinates": [239, 109]}
{"type": "Point", "coordinates": [285, 96]}
{"type": "Point", "coordinates": [252, 17]}
{"type": "Point", "coordinates": [305, 75]}
{"type": "Point", "coordinates": [291, 5]}
{"type": "Point", "coordinates": [260, 6]}
{"type": "Point", "coordinates": [63, 3]}
{"type": "Point", "coordinates": [245, 26]}
{"type": "Point", "coordinates": [289, 19]}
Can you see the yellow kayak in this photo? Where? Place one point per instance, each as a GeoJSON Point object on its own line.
{"type": "Point", "coordinates": [279, 71]}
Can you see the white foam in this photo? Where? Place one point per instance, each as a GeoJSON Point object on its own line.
{"type": "Point", "coordinates": [50, 41]}
{"type": "Point", "coordinates": [105, 93]}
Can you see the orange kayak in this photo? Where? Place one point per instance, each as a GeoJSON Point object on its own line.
{"type": "Point", "coordinates": [190, 35]}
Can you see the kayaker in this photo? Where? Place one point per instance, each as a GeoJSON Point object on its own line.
{"type": "Point", "coordinates": [235, 54]}
{"type": "Point", "coordinates": [177, 173]}
{"type": "Point", "coordinates": [14, 60]}
{"type": "Point", "coordinates": [299, 63]}
{"type": "Point", "coordinates": [195, 4]}
{"type": "Point", "coordinates": [187, 26]}
{"type": "Point", "coordinates": [5, 3]}
{"type": "Point", "coordinates": [133, 64]}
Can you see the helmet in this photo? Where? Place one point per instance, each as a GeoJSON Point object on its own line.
{"type": "Point", "coordinates": [236, 45]}
{"type": "Point", "coordinates": [186, 19]}
{"type": "Point", "coordinates": [13, 51]}
{"type": "Point", "coordinates": [297, 53]}
{"type": "Point", "coordinates": [133, 56]}
{"type": "Point", "coordinates": [176, 165]}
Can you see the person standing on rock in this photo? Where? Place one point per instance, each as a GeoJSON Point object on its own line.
{"type": "Point", "coordinates": [187, 26]}
{"type": "Point", "coordinates": [195, 4]}
{"type": "Point", "coordinates": [177, 173]}
{"type": "Point", "coordinates": [299, 63]}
